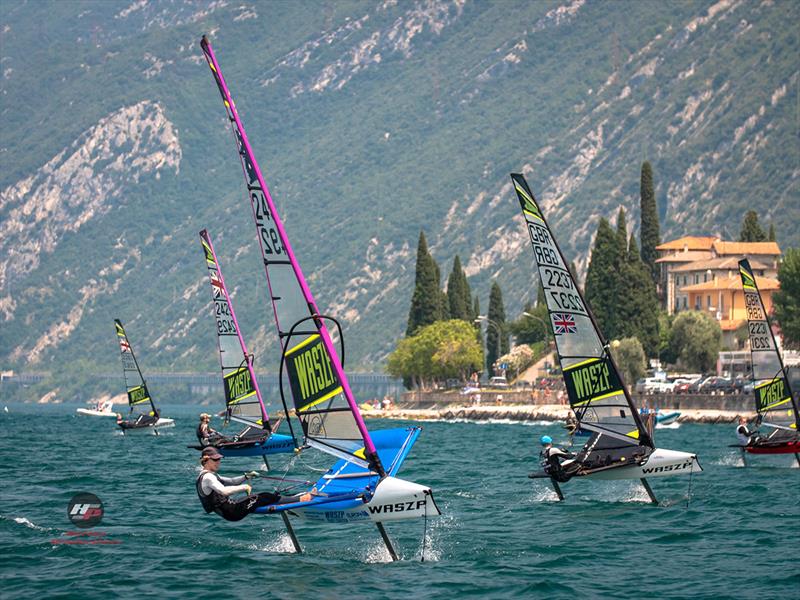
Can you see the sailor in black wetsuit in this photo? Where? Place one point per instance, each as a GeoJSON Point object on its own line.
{"type": "Point", "coordinates": [205, 434]}
{"type": "Point", "coordinates": [215, 491]}
{"type": "Point", "coordinates": [551, 458]}
{"type": "Point", "coordinates": [744, 435]}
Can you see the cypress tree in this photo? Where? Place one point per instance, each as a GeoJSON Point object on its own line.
{"type": "Point", "coordinates": [574, 272]}
{"type": "Point", "coordinates": [771, 236]}
{"type": "Point", "coordinates": [476, 308]}
{"type": "Point", "coordinates": [751, 230]}
{"type": "Point", "coordinates": [649, 215]}
{"type": "Point", "coordinates": [467, 292]}
{"type": "Point", "coordinates": [638, 302]}
{"type": "Point", "coordinates": [426, 302]}
{"type": "Point", "coordinates": [601, 278]}
{"type": "Point", "coordinates": [459, 299]}
{"type": "Point", "coordinates": [496, 336]}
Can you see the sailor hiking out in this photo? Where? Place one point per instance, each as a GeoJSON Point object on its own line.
{"type": "Point", "coordinates": [206, 435]}
{"type": "Point", "coordinates": [744, 435]}
{"type": "Point", "coordinates": [556, 462]}
{"type": "Point", "coordinates": [215, 492]}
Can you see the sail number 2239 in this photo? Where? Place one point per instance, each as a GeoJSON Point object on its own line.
{"type": "Point", "coordinates": [270, 241]}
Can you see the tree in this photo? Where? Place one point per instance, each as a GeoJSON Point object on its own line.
{"type": "Point", "coordinates": [786, 301]}
{"type": "Point", "coordinates": [771, 236]}
{"type": "Point", "coordinates": [695, 340]}
{"type": "Point", "coordinates": [496, 336]}
{"type": "Point", "coordinates": [638, 303]}
{"type": "Point", "coordinates": [572, 271]}
{"type": "Point", "coordinates": [529, 330]}
{"type": "Point", "coordinates": [751, 230]}
{"type": "Point", "coordinates": [649, 215]}
{"type": "Point", "coordinates": [602, 278]}
{"type": "Point", "coordinates": [629, 356]}
{"type": "Point", "coordinates": [440, 351]}
{"type": "Point", "coordinates": [459, 299]}
{"type": "Point", "coordinates": [426, 302]}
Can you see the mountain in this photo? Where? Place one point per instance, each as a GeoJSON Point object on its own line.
{"type": "Point", "coordinates": [371, 121]}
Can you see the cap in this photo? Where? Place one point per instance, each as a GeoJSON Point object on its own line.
{"type": "Point", "coordinates": [546, 439]}
{"type": "Point", "coordinates": [205, 416]}
{"type": "Point", "coordinates": [210, 452]}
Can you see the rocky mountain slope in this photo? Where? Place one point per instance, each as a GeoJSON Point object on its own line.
{"type": "Point", "coordinates": [371, 121]}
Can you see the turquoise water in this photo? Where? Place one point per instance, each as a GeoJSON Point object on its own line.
{"type": "Point", "coordinates": [501, 535]}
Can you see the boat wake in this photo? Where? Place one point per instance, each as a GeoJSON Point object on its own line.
{"type": "Point", "coordinates": [674, 425]}
{"type": "Point", "coordinates": [730, 460]}
{"type": "Point", "coordinates": [279, 545]}
{"type": "Point", "coordinates": [28, 523]}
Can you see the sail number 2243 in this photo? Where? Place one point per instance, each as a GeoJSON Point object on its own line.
{"type": "Point", "coordinates": [270, 241]}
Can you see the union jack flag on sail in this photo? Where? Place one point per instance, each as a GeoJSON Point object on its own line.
{"type": "Point", "coordinates": [563, 323]}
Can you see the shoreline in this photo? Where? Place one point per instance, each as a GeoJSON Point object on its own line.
{"type": "Point", "coordinates": [533, 412]}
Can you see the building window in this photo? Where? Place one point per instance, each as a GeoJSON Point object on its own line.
{"type": "Point", "coordinates": [708, 301]}
{"type": "Point", "coordinates": [698, 304]}
{"type": "Point", "coordinates": [684, 281]}
{"type": "Point", "coordinates": [722, 304]}
{"type": "Point", "coordinates": [697, 278]}
{"type": "Point", "coordinates": [685, 302]}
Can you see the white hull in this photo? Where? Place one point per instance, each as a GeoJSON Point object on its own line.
{"type": "Point", "coordinates": [394, 500]}
{"type": "Point", "coordinates": [661, 463]}
{"type": "Point", "coordinates": [90, 412]}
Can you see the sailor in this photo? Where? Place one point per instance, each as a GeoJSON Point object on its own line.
{"type": "Point", "coordinates": [551, 460]}
{"type": "Point", "coordinates": [204, 430]}
{"type": "Point", "coordinates": [215, 491]}
{"type": "Point", "coordinates": [571, 423]}
{"type": "Point", "coordinates": [745, 436]}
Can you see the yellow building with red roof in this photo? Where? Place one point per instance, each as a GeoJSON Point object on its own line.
{"type": "Point", "coordinates": [702, 273]}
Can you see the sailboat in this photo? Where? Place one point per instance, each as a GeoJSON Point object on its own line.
{"type": "Point", "coordinates": [619, 445]}
{"type": "Point", "coordinates": [243, 401]}
{"type": "Point", "coordinates": [362, 485]}
{"type": "Point", "coordinates": [143, 415]}
{"type": "Point", "coordinates": [778, 417]}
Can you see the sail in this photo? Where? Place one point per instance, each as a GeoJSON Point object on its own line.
{"type": "Point", "coordinates": [242, 394]}
{"type": "Point", "coordinates": [596, 391]}
{"type": "Point", "coordinates": [774, 401]}
{"type": "Point", "coordinates": [138, 395]}
{"type": "Point", "coordinates": [322, 397]}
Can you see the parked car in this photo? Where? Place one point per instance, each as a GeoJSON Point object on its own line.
{"type": "Point", "coordinates": [498, 382]}
{"type": "Point", "coordinates": [697, 386]}
{"type": "Point", "coordinates": [683, 386]}
{"type": "Point", "coordinates": [717, 385]}
{"type": "Point", "coordinates": [653, 385]}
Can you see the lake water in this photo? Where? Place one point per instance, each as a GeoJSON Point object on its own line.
{"type": "Point", "coordinates": [501, 535]}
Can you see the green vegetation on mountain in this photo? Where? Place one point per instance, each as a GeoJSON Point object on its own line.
{"type": "Point", "coordinates": [370, 122]}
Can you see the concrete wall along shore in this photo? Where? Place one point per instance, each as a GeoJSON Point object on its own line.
{"type": "Point", "coordinates": [523, 406]}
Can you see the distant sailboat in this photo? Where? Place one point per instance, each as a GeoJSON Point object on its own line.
{"type": "Point", "coordinates": [620, 446]}
{"type": "Point", "coordinates": [778, 417]}
{"type": "Point", "coordinates": [243, 401]}
{"type": "Point", "coordinates": [362, 485]}
{"type": "Point", "coordinates": [143, 415]}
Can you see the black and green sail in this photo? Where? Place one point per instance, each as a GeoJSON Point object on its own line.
{"type": "Point", "coordinates": [775, 404]}
{"type": "Point", "coordinates": [595, 388]}
{"type": "Point", "coordinates": [139, 399]}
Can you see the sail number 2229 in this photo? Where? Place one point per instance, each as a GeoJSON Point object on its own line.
{"type": "Point", "coordinates": [270, 241]}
